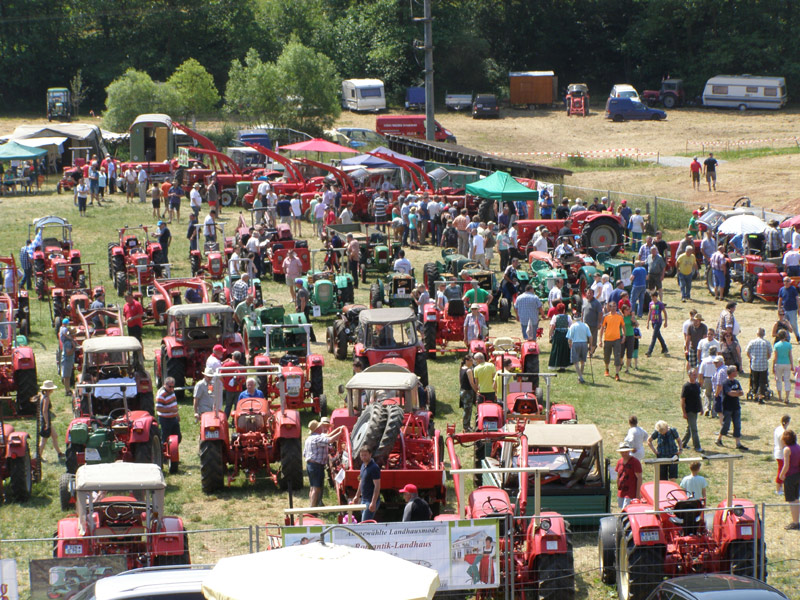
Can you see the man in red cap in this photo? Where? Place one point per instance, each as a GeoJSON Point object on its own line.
{"type": "Point", "coordinates": [416, 508]}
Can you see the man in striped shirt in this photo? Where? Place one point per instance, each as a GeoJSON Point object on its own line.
{"type": "Point", "coordinates": [379, 204]}
{"type": "Point", "coordinates": [167, 410]}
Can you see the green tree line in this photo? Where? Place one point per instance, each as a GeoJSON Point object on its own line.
{"type": "Point", "coordinates": [44, 43]}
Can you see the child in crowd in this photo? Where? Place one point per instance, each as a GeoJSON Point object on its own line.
{"type": "Point", "coordinates": [695, 485]}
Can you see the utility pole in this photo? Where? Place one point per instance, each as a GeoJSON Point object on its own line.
{"type": "Point", "coordinates": [427, 21]}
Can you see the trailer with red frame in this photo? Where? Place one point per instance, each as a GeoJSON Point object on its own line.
{"type": "Point", "coordinates": [56, 263]}
{"type": "Point", "coordinates": [600, 232]}
{"type": "Point", "coordinates": [665, 534]}
{"type": "Point", "coordinates": [401, 435]}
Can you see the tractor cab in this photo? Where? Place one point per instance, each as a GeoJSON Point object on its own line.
{"type": "Point", "coordinates": [211, 258]}
{"type": "Point", "coordinates": [200, 325]}
{"type": "Point", "coordinates": [390, 333]}
{"type": "Point", "coordinates": [55, 233]}
{"type": "Point", "coordinates": [577, 99]}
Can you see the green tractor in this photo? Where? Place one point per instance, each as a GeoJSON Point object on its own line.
{"type": "Point", "coordinates": [221, 290]}
{"type": "Point", "coordinates": [395, 291]}
{"type": "Point", "coordinates": [544, 276]}
{"type": "Point", "coordinates": [499, 307]}
{"type": "Point", "coordinates": [376, 254]}
{"type": "Point", "coordinates": [452, 265]}
{"type": "Point", "coordinates": [329, 290]}
{"type": "Point", "coordinates": [271, 313]}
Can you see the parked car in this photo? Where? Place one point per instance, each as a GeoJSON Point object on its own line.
{"type": "Point", "coordinates": [356, 137]}
{"type": "Point", "coordinates": [485, 105]}
{"type": "Point", "coordinates": [716, 586]}
{"type": "Point", "coordinates": [149, 583]}
{"type": "Point", "coordinates": [626, 109]}
{"type": "Point", "coordinates": [412, 126]}
{"type": "Point", "coordinates": [623, 90]}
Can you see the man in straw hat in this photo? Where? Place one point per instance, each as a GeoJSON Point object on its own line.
{"type": "Point", "coordinates": [45, 419]}
{"type": "Point", "coordinates": [629, 476]}
{"type": "Point", "coordinates": [205, 400]}
{"type": "Point", "coordinates": [316, 452]}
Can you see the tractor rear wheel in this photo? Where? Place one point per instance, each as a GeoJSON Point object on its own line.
{"type": "Point", "coordinates": [25, 382]}
{"type": "Point", "coordinates": [421, 367]}
{"type": "Point", "coordinates": [329, 339]}
{"type": "Point", "coordinates": [212, 466]}
{"type": "Point", "coordinates": [639, 568]}
{"type": "Point", "coordinates": [606, 547]}
{"type": "Point", "coordinates": [39, 286]}
{"type": "Point", "coordinates": [147, 403]}
{"type": "Point", "coordinates": [64, 492]}
{"type": "Point", "coordinates": [323, 406]}
{"type": "Point", "coordinates": [291, 475]}
{"type": "Point", "coordinates": [368, 431]}
{"type": "Point", "coordinates": [21, 477]}
{"type": "Point", "coordinates": [669, 101]}
{"type": "Point", "coordinates": [176, 368]}
{"type": "Point", "coordinates": [429, 336]}
{"type": "Point", "coordinates": [748, 293]}
{"type": "Point", "coordinates": [341, 342]}
{"type": "Point", "coordinates": [120, 283]}
{"type": "Point", "coordinates": [375, 299]}
{"type": "Point", "coordinates": [431, 391]}
{"type": "Point", "coordinates": [531, 365]}
{"type": "Point", "coordinates": [557, 576]}
{"type": "Point", "coordinates": [431, 275]}
{"type": "Point", "coordinates": [503, 310]}
{"type": "Point", "coordinates": [394, 423]}
{"type": "Point", "coordinates": [71, 453]}
{"type": "Point", "coordinates": [227, 197]}
{"type": "Point", "coordinates": [603, 234]}
{"type": "Point", "coordinates": [25, 327]}
{"type": "Point", "coordinates": [149, 451]}
{"type": "Point", "coordinates": [316, 381]}
{"type": "Point", "coordinates": [744, 560]}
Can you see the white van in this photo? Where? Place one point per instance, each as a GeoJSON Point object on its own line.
{"type": "Point", "coordinates": [623, 90]}
{"type": "Point", "coordinates": [363, 95]}
{"type": "Point", "coordinates": [745, 91]}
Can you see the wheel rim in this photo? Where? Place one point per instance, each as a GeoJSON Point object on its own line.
{"type": "Point", "coordinates": [602, 239]}
{"type": "Point", "coordinates": [624, 582]}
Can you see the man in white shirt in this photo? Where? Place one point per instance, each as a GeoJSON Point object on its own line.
{"type": "Point", "coordinates": [195, 199]}
{"type": "Point", "coordinates": [706, 370]}
{"type": "Point", "coordinates": [328, 196]}
{"type": "Point", "coordinates": [111, 167]}
{"type": "Point", "coordinates": [564, 248]}
{"type": "Point", "coordinates": [607, 289]}
{"type": "Point", "coordinates": [297, 215]}
{"type": "Point", "coordinates": [319, 218]}
{"type": "Point", "coordinates": [402, 264]}
{"type": "Point", "coordinates": [795, 239]}
{"type": "Point", "coordinates": [233, 263]}
{"type": "Point", "coordinates": [272, 207]}
{"type": "Point", "coordinates": [346, 216]}
{"type": "Point", "coordinates": [704, 346]}
{"type": "Point", "coordinates": [597, 287]}
{"type": "Point", "coordinates": [554, 296]}
{"type": "Point", "coordinates": [141, 179]}
{"type": "Point", "coordinates": [130, 184]}
{"type": "Point", "coordinates": [210, 227]}
{"type": "Point", "coordinates": [636, 438]}
{"type": "Point", "coordinates": [791, 262]}
{"type": "Point", "coordinates": [477, 250]}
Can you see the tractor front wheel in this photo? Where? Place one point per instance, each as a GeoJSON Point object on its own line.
{"type": "Point", "coordinates": [748, 293]}
{"type": "Point", "coordinates": [504, 309]}
{"type": "Point", "coordinates": [431, 275]}
{"type": "Point", "coordinates": [64, 491]}
{"type": "Point", "coordinates": [291, 475]}
{"type": "Point", "coordinates": [421, 367]}
{"type": "Point", "coordinates": [431, 391]}
{"type": "Point", "coordinates": [212, 466]}
{"type": "Point", "coordinates": [25, 382]}
{"type": "Point", "coordinates": [329, 339]}
{"type": "Point", "coordinates": [316, 381]}
{"type": "Point", "coordinates": [606, 547]}
{"type": "Point", "coordinates": [120, 283]}
{"type": "Point", "coordinates": [556, 577]}
{"type": "Point", "coordinates": [176, 368]}
{"type": "Point", "coordinates": [744, 560]}
{"type": "Point", "coordinates": [531, 365]}
{"type": "Point", "coordinates": [323, 406]}
{"type": "Point", "coordinates": [21, 476]}
{"type": "Point", "coordinates": [429, 336]}
{"type": "Point", "coordinates": [71, 452]}
{"type": "Point", "coordinates": [639, 568]}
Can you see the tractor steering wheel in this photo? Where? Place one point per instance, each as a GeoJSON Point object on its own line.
{"type": "Point", "coordinates": [673, 495]}
{"type": "Point", "coordinates": [490, 503]}
{"type": "Point", "coordinates": [119, 511]}
{"type": "Point", "coordinates": [113, 414]}
{"type": "Point", "coordinates": [197, 334]}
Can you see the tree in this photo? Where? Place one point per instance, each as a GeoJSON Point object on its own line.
{"type": "Point", "coordinates": [78, 91]}
{"type": "Point", "coordinates": [195, 87]}
{"type": "Point", "coordinates": [135, 93]}
{"type": "Point", "coordinates": [252, 88]}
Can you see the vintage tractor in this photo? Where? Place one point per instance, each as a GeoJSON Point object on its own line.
{"type": "Point", "coordinates": [277, 248]}
{"type": "Point", "coordinates": [673, 251]}
{"type": "Point", "coordinates": [389, 335]}
{"type": "Point", "coordinates": [20, 302]}
{"type": "Point", "coordinates": [665, 534]}
{"type": "Point", "coordinates": [499, 307]}
{"type": "Point", "coordinates": [300, 370]}
{"type": "Point", "coordinates": [598, 231]}
{"type": "Point", "coordinates": [120, 510]}
{"type": "Point", "coordinates": [17, 366]}
{"type": "Point", "coordinates": [451, 266]}
{"type": "Point", "coordinates": [261, 436]}
{"type": "Point", "coordinates": [577, 99]}
{"type": "Point", "coordinates": [56, 263]}
{"type": "Point", "coordinates": [329, 289]}
{"type": "Point", "coordinates": [540, 553]}
{"type": "Point", "coordinates": [211, 258]}
{"type": "Point", "coordinates": [763, 278]}
{"type": "Point", "coordinates": [16, 464]}
{"type": "Point", "coordinates": [94, 323]}
{"type": "Point", "coordinates": [440, 327]}
{"type": "Point", "coordinates": [670, 95]}
{"type": "Point", "coordinates": [523, 354]}
{"type": "Point", "coordinates": [394, 291]}
{"type": "Point", "coordinates": [271, 313]}
{"type": "Point", "coordinates": [344, 330]}
{"type": "Point", "coordinates": [376, 253]}
{"type": "Point", "coordinates": [401, 435]}
{"type": "Point", "coordinates": [172, 292]}
{"type": "Point", "coordinates": [192, 331]}
{"type": "Point", "coordinates": [133, 263]}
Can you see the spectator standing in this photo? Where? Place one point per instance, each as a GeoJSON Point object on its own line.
{"type": "Point", "coordinates": [102, 180]}
{"type": "Point", "coordinates": [705, 345]}
{"type": "Point", "coordinates": [630, 338]}
{"type": "Point", "coordinates": [787, 300]}
{"type": "Point", "coordinates": [545, 204]}
{"type": "Point", "coordinates": [461, 222]}
{"type": "Point", "coordinates": [719, 378]}
{"type": "Point", "coordinates": [508, 286]}
{"type": "Point", "coordinates": [529, 310]}
{"type": "Point", "coordinates": [141, 183]}
{"type": "Point", "coordinates": [26, 264]}
{"type": "Point", "coordinates": [559, 350]}
{"type": "Point", "coordinates": [592, 314]}
{"type": "Point", "coordinates": [636, 226]}
{"type": "Point", "coordinates": [475, 327]}
{"type": "Point", "coordinates": [707, 247]}
{"type": "Point", "coordinates": [133, 313]}
{"type": "Point", "coordinates": [94, 186]}
{"type": "Point", "coordinates": [657, 317]}
{"type": "Point", "coordinates": [293, 269]}
{"type": "Point", "coordinates": [302, 301]}
{"type": "Point", "coordinates": [655, 270]}
{"type": "Point", "coordinates": [638, 287]}
{"type": "Point", "coordinates": [297, 215]}
{"type": "Point", "coordinates": [477, 248]}
{"type": "Point", "coordinates": [316, 450]}
{"type": "Point", "coordinates": [629, 476]}
{"type": "Point", "coordinates": [695, 485]}
{"type": "Point", "coordinates": [416, 509]}
{"type": "Point", "coordinates": [612, 335]}
{"type": "Point", "coordinates": [607, 289]}
{"type": "Point", "coordinates": [192, 232]}
{"type": "Point", "coordinates": [686, 265]}
{"type": "Point", "coordinates": [484, 373]}
{"type": "Point", "coordinates": [204, 400]}
{"type": "Point", "coordinates": [777, 450]}
{"type": "Point", "coordinates": [691, 407]}
{"type": "Point", "coordinates": [727, 320]}
{"type": "Point", "coordinates": [155, 200]}
{"type": "Point", "coordinates": [111, 169]}
{"type": "Point", "coordinates": [45, 420]}
{"type": "Point", "coordinates": [369, 485]}
{"type": "Point", "coordinates": [130, 184]}
{"type": "Point", "coordinates": [164, 237]}
{"type": "Point", "coordinates": [175, 195]}
{"type": "Point", "coordinates": [578, 337]}
{"type": "Point", "coordinates": [782, 362]}
{"type": "Point", "coordinates": [503, 242]}
{"type": "Point", "coordinates": [468, 388]}
{"type": "Point", "coordinates": [694, 173]}
{"type": "Point", "coordinates": [790, 474]}
{"type": "Point", "coordinates": [710, 171]}
{"type": "Point", "coordinates": [782, 324]}
{"type": "Point", "coordinates": [319, 218]}
{"type": "Point", "coordinates": [353, 255]}
{"type": "Point", "coordinates": [759, 351]}
{"type": "Point", "coordinates": [731, 392]}
{"type": "Point", "coordinates": [81, 194]}
{"type": "Point", "coordinates": [719, 266]}
{"type": "Point", "coordinates": [668, 444]}
{"type": "Point", "coordinates": [706, 371]}
{"type": "Point", "coordinates": [636, 438]}
{"type": "Point", "coordinates": [791, 260]}
{"type": "Point", "coordinates": [697, 333]}
{"type": "Point", "coordinates": [240, 289]}
{"type": "Point", "coordinates": [169, 420]}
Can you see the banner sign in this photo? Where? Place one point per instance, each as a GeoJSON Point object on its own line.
{"type": "Point", "coordinates": [8, 579]}
{"type": "Point", "coordinates": [183, 156]}
{"type": "Point", "coordinates": [64, 577]}
{"type": "Point", "coordinates": [464, 553]}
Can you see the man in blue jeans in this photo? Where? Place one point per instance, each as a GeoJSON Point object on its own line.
{"type": "Point", "coordinates": [657, 317]}
{"type": "Point", "coordinates": [638, 286]}
{"type": "Point", "coordinates": [787, 300]}
{"type": "Point", "coordinates": [369, 486]}
{"type": "Point", "coordinates": [731, 409]}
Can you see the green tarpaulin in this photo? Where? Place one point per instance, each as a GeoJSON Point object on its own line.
{"type": "Point", "coordinates": [503, 187]}
{"type": "Point", "coordinates": [15, 151]}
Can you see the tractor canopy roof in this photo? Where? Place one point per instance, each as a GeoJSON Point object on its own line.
{"type": "Point", "coordinates": [573, 435]}
{"type": "Point", "coordinates": [385, 316]}
{"type": "Point", "coordinates": [50, 221]}
{"type": "Point", "coordinates": [383, 377]}
{"type": "Point", "coordinates": [119, 476]}
{"type": "Point", "coordinates": [116, 343]}
{"type": "Point", "coordinates": [193, 310]}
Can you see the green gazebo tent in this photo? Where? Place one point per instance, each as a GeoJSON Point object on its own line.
{"type": "Point", "coordinates": [502, 187]}
{"type": "Point", "coordinates": [14, 151]}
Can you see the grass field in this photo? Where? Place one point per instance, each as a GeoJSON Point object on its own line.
{"type": "Point", "coordinates": [652, 392]}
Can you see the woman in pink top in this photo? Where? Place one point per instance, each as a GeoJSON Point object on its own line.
{"type": "Point", "coordinates": [790, 474]}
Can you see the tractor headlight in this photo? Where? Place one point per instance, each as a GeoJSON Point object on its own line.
{"type": "Point", "coordinates": [545, 525]}
{"type": "Point", "coordinates": [738, 511]}
{"type": "Point", "coordinates": [307, 385]}
{"type": "Point", "coordinates": [347, 330]}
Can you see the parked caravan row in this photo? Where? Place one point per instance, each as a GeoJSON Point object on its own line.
{"type": "Point", "coordinates": [745, 91]}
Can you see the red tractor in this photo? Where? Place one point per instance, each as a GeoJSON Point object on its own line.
{"type": "Point", "coordinates": [16, 463]}
{"type": "Point", "coordinates": [261, 436]}
{"type": "Point", "coordinates": [540, 548]}
{"type": "Point", "coordinates": [670, 95]}
{"type": "Point", "coordinates": [577, 99]}
{"type": "Point", "coordinates": [600, 232]}
{"type": "Point", "coordinates": [278, 244]}
{"type": "Point", "coordinates": [56, 263]}
{"type": "Point", "coordinates": [192, 331]}
{"type": "Point", "coordinates": [400, 433]}
{"type": "Point", "coordinates": [211, 259]}
{"type": "Point", "coordinates": [523, 354]}
{"type": "Point", "coordinates": [133, 263]}
{"type": "Point", "coordinates": [389, 335]}
{"type": "Point", "coordinates": [665, 535]}
{"type": "Point", "coordinates": [17, 365]}
{"type": "Point", "coordinates": [300, 371]}
{"type": "Point", "coordinates": [20, 302]}
{"type": "Point", "coordinates": [172, 292]}
{"type": "Point", "coordinates": [121, 512]}
{"type": "Point", "coordinates": [292, 181]}
{"type": "Point", "coordinates": [763, 278]}
{"type": "Point", "coordinates": [94, 323]}
{"type": "Point", "coordinates": [673, 251]}
{"type": "Point", "coordinates": [440, 327]}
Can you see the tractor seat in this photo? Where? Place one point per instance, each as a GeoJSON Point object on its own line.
{"type": "Point", "coordinates": [455, 308]}
{"type": "Point", "coordinates": [277, 246]}
{"type": "Point", "coordinates": [506, 344]}
{"type": "Point", "coordinates": [691, 522]}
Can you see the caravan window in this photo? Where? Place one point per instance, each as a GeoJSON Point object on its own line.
{"type": "Point", "coordinates": [751, 89]}
{"type": "Point", "coordinates": [770, 91]}
{"type": "Point", "coordinates": [373, 92]}
{"type": "Point", "coordinates": [353, 92]}
{"type": "Point", "coordinates": [719, 89]}
{"type": "Point", "coordinates": [783, 91]}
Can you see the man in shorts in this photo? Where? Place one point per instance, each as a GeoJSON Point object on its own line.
{"type": "Point", "coordinates": [695, 168]}
{"type": "Point", "coordinates": [710, 171]}
{"type": "Point", "coordinates": [612, 336]}
{"type": "Point", "coordinates": [315, 451]}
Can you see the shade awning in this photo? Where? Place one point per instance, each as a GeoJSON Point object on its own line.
{"type": "Point", "coordinates": [54, 142]}
{"type": "Point", "coordinates": [501, 186]}
{"type": "Point", "coordinates": [367, 160]}
{"type": "Point", "coordinates": [15, 151]}
{"type": "Point", "coordinates": [317, 145]}
{"type": "Point", "coordinates": [743, 224]}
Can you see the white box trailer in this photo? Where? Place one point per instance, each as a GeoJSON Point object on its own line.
{"type": "Point", "coordinates": [745, 91]}
{"type": "Point", "coordinates": [363, 95]}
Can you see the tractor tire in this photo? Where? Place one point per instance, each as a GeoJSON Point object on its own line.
{"type": "Point", "coordinates": [532, 366]}
{"type": "Point", "coordinates": [340, 352]}
{"type": "Point", "coordinates": [71, 453]}
{"type": "Point", "coordinates": [429, 337]}
{"type": "Point", "coordinates": [603, 234]}
{"type": "Point", "coordinates": [64, 494]}
{"type": "Point", "coordinates": [149, 451]}
{"type": "Point", "coordinates": [639, 568]}
{"type": "Point", "coordinates": [21, 477]}
{"type": "Point", "coordinates": [195, 264]}
{"type": "Point", "coordinates": [710, 282]}
{"type": "Point", "coordinates": [82, 281]}
{"type": "Point", "coordinates": [375, 297]}
{"type": "Point", "coordinates": [669, 101]}
{"type": "Point", "coordinates": [317, 385]}
{"type": "Point", "coordinates": [421, 368]}
{"type": "Point", "coordinates": [431, 391]}
{"type": "Point", "coordinates": [394, 423]}
{"type": "Point", "coordinates": [158, 260]}
{"type": "Point", "coordinates": [670, 271]}
{"type": "Point", "coordinates": [119, 264]}
{"type": "Point", "coordinates": [744, 561]}
{"type": "Point", "coordinates": [212, 466]}
{"type": "Point", "coordinates": [120, 283]}
{"type": "Point", "coordinates": [606, 548]}
{"type": "Point", "coordinates": [291, 475]}
{"type": "Point", "coordinates": [748, 294]}
{"type": "Point", "coordinates": [147, 403]}
{"type": "Point", "coordinates": [176, 368]}
{"type": "Point", "coordinates": [25, 327]}
{"type": "Point", "coordinates": [323, 405]}
{"type": "Point", "coordinates": [431, 275]}
{"type": "Point", "coordinates": [39, 284]}
{"type": "Point", "coordinates": [25, 382]}
{"type": "Point", "coordinates": [329, 339]}
{"type": "Point", "coordinates": [227, 197]}
{"type": "Point", "coordinates": [370, 431]}
{"type": "Point", "coordinates": [503, 310]}
{"type": "Point", "coordinates": [557, 575]}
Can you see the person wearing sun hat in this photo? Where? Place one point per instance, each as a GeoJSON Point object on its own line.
{"type": "Point", "coordinates": [205, 400]}
{"type": "Point", "coordinates": [475, 327]}
{"type": "Point", "coordinates": [629, 476]}
{"type": "Point", "coordinates": [316, 451]}
{"type": "Point", "coordinates": [45, 419]}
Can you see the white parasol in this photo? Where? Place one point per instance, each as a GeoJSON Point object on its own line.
{"type": "Point", "coordinates": [743, 224]}
{"type": "Point", "coordinates": [315, 570]}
